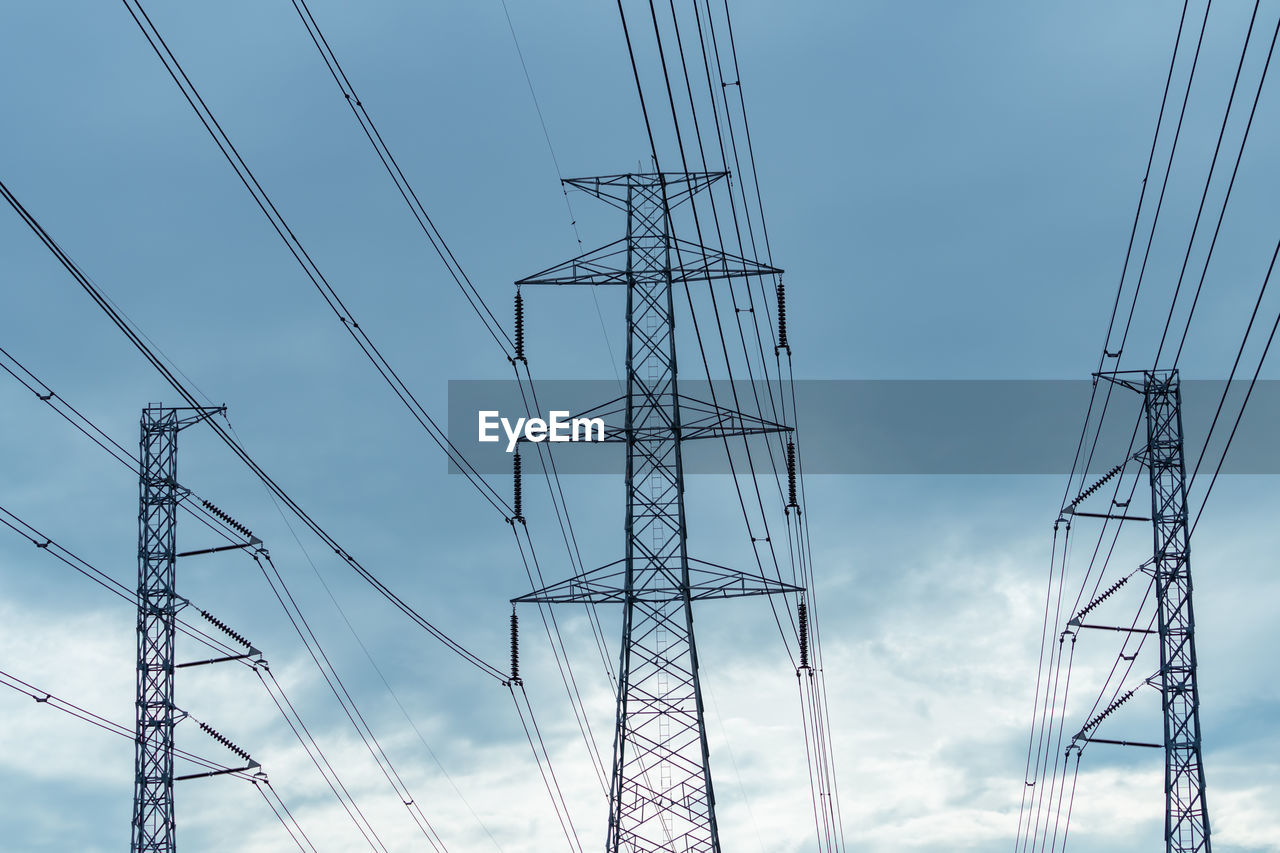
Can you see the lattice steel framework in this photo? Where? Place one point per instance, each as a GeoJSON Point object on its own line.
{"type": "Point", "coordinates": [661, 796]}
{"type": "Point", "coordinates": [158, 605]}
{"type": "Point", "coordinates": [1186, 812]}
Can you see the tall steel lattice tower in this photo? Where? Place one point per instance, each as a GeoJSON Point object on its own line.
{"type": "Point", "coordinates": [1186, 821]}
{"type": "Point", "coordinates": [661, 797]}
{"type": "Point", "coordinates": [158, 605]}
{"type": "Point", "coordinates": [1186, 814]}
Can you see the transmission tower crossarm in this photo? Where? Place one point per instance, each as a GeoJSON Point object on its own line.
{"type": "Point", "coordinates": [617, 190]}
{"type": "Point", "coordinates": [698, 419]}
{"type": "Point", "coordinates": [608, 265]}
{"type": "Point", "coordinates": [703, 581]}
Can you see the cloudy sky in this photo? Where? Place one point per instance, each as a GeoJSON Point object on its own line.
{"type": "Point", "coordinates": [950, 187]}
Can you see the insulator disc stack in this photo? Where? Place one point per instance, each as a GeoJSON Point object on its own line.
{"type": "Point", "coordinates": [520, 327]}
{"type": "Point", "coordinates": [515, 647]}
{"type": "Point", "coordinates": [517, 489]}
{"type": "Point", "coordinates": [213, 733]}
{"type": "Point", "coordinates": [1093, 724]}
{"type": "Point", "coordinates": [782, 319]}
{"type": "Point", "coordinates": [222, 626]}
{"type": "Point", "coordinates": [1111, 590]}
{"type": "Point", "coordinates": [802, 617]}
{"type": "Point", "coordinates": [228, 520]}
{"type": "Point", "coordinates": [1098, 485]}
{"type": "Point", "coordinates": [791, 475]}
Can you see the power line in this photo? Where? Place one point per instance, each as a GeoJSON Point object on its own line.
{"type": "Point", "coordinates": [88, 286]}
{"type": "Point", "coordinates": [361, 113]}
{"type": "Point", "coordinates": [304, 259]}
{"type": "Point", "coordinates": [260, 781]}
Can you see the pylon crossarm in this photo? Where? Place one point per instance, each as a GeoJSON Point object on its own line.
{"type": "Point", "coordinates": [698, 419]}
{"type": "Point", "coordinates": [252, 765]}
{"type": "Point", "coordinates": [608, 265]}
{"type": "Point", "coordinates": [606, 585]}
{"type": "Point", "coordinates": [613, 189]}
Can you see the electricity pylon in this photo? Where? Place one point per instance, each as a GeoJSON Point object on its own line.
{"type": "Point", "coordinates": [661, 797]}
{"type": "Point", "coordinates": [1186, 823]}
{"type": "Point", "coordinates": [1186, 827]}
{"type": "Point", "coordinates": [158, 605]}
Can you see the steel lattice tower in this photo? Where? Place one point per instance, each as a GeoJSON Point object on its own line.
{"type": "Point", "coordinates": [1186, 813]}
{"type": "Point", "coordinates": [661, 796]}
{"type": "Point", "coordinates": [158, 605]}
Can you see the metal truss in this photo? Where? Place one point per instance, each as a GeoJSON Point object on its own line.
{"type": "Point", "coordinates": [1186, 814]}
{"type": "Point", "coordinates": [661, 796]}
{"type": "Point", "coordinates": [698, 419]}
{"type": "Point", "coordinates": [158, 605]}
{"type": "Point", "coordinates": [1186, 827]}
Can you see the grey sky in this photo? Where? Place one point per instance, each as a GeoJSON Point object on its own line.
{"type": "Point", "coordinates": [950, 187]}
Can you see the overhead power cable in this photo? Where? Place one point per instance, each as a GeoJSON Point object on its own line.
{"type": "Point", "coordinates": [410, 196]}
{"type": "Point", "coordinates": [101, 578]}
{"type": "Point", "coordinates": [338, 688]}
{"type": "Point", "coordinates": [90, 288]}
{"type": "Point", "coordinates": [1124, 270]}
{"type": "Point", "coordinates": [1208, 181]}
{"type": "Point", "coordinates": [305, 261]}
{"type": "Point", "coordinates": [220, 523]}
{"type": "Point", "coordinates": [361, 113]}
{"type": "Point", "coordinates": [259, 780]}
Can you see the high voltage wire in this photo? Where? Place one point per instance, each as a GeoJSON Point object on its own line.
{"type": "Point", "coordinates": [381, 675]}
{"type": "Point", "coordinates": [1029, 830]}
{"type": "Point", "coordinates": [120, 590]}
{"type": "Point", "coordinates": [491, 324]}
{"type": "Point", "coordinates": [340, 692]}
{"type": "Point", "coordinates": [308, 265]}
{"type": "Point", "coordinates": [1208, 182]}
{"type": "Point", "coordinates": [261, 783]}
{"type": "Point", "coordinates": [91, 430]}
{"type": "Point", "coordinates": [827, 790]}
{"type": "Point", "coordinates": [1025, 824]}
{"type": "Point", "coordinates": [44, 543]}
{"type": "Point", "coordinates": [828, 798]}
{"type": "Point", "coordinates": [410, 196]}
{"type": "Point", "coordinates": [1173, 60]}
{"type": "Point", "coordinates": [1121, 655]}
{"type": "Point", "coordinates": [194, 99]}
{"type": "Point", "coordinates": [134, 338]}
{"type": "Point", "coordinates": [357, 107]}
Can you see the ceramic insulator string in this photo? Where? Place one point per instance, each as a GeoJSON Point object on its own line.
{"type": "Point", "coordinates": [1098, 485]}
{"type": "Point", "coordinates": [515, 647]}
{"type": "Point", "coordinates": [517, 489]}
{"type": "Point", "coordinates": [802, 617]}
{"type": "Point", "coordinates": [782, 318]}
{"type": "Point", "coordinates": [791, 475]}
{"type": "Point", "coordinates": [1093, 724]}
{"type": "Point", "coordinates": [213, 733]}
{"type": "Point", "coordinates": [222, 626]}
{"type": "Point", "coordinates": [1111, 590]}
{"type": "Point", "coordinates": [228, 520]}
{"type": "Point", "coordinates": [519, 336]}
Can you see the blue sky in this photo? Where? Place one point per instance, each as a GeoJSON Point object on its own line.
{"type": "Point", "coordinates": [949, 186]}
